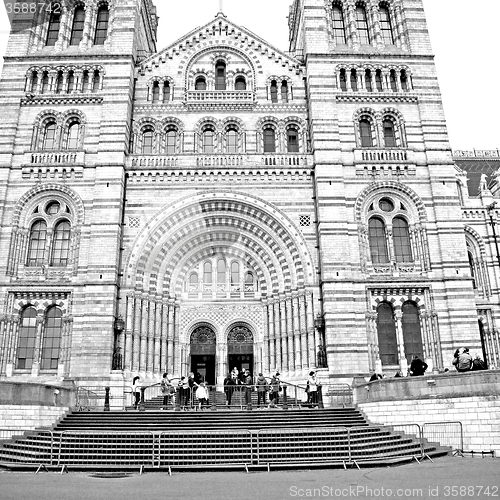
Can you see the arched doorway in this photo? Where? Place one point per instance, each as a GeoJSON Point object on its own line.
{"type": "Point", "coordinates": [202, 343]}
{"type": "Point", "coordinates": [240, 349]}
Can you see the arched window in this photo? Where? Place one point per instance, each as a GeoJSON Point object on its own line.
{"type": "Point", "coordinates": [45, 82]}
{"type": "Point", "coordinates": [166, 92]}
{"type": "Point", "coordinates": [343, 80]}
{"type": "Point", "coordinates": [193, 278]}
{"type": "Point", "coordinates": [338, 24]}
{"type": "Point", "coordinates": [49, 136]}
{"type": "Point", "coordinates": [78, 24]}
{"type": "Point", "coordinates": [95, 81]}
{"type": "Point", "coordinates": [392, 79]}
{"type": "Point", "coordinates": [269, 140]}
{"type": "Point", "coordinates": [51, 339]}
{"type": "Point", "coordinates": [71, 82]}
{"type": "Point", "coordinates": [156, 92]}
{"type": "Point", "coordinates": [221, 271]}
{"type": "Point", "coordinates": [207, 273]}
{"type": "Point", "coordinates": [354, 80]}
{"type": "Point", "coordinates": [220, 75]}
{"type": "Point", "coordinates": [200, 83]}
{"type": "Point", "coordinates": [73, 132]}
{"type": "Point", "coordinates": [54, 25]}
{"type": "Point", "coordinates": [37, 244]}
{"type": "Point", "coordinates": [366, 135]}
{"type": "Point", "coordinates": [274, 91]}
{"type": "Point", "coordinates": [386, 332]}
{"type": "Point", "coordinates": [472, 269]}
{"type": "Point", "coordinates": [34, 82]}
{"type": "Point", "coordinates": [235, 273]}
{"type": "Point", "coordinates": [412, 334]}
{"type": "Point", "coordinates": [60, 244]}
{"type": "Point", "coordinates": [389, 133]}
{"type": "Point", "coordinates": [378, 241]}
{"type": "Point", "coordinates": [85, 81]}
{"type": "Point", "coordinates": [240, 83]}
{"type": "Point", "coordinates": [385, 25]}
{"type": "Point", "coordinates": [284, 91]}
{"type": "Point", "coordinates": [147, 142]}
{"type": "Point", "coordinates": [208, 138]}
{"type": "Point", "coordinates": [368, 81]}
{"type": "Point", "coordinates": [171, 141]}
{"type": "Point", "coordinates": [27, 339]}
{"type": "Point", "coordinates": [249, 281]}
{"type": "Point", "coordinates": [401, 240]}
{"type": "Point", "coordinates": [362, 25]}
{"type": "Point", "coordinates": [378, 80]}
{"type": "Point", "coordinates": [231, 140]}
{"type": "Point", "coordinates": [404, 81]}
{"type": "Point", "coordinates": [101, 30]}
{"type": "Point", "coordinates": [59, 82]}
{"type": "Point", "coordinates": [292, 140]}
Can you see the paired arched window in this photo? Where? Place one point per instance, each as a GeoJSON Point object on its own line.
{"type": "Point", "coordinates": [49, 247]}
{"type": "Point", "coordinates": [362, 24]}
{"type": "Point", "coordinates": [166, 91]}
{"type": "Point", "coordinates": [156, 92]}
{"type": "Point", "coordinates": [208, 141]}
{"type": "Point", "coordinates": [389, 133]}
{"type": "Point", "coordinates": [284, 91]}
{"type": "Point", "coordinates": [49, 136]}
{"type": "Point", "coordinates": [73, 136]}
{"type": "Point", "coordinates": [78, 25]}
{"type": "Point", "coordinates": [292, 140]}
{"type": "Point", "coordinates": [101, 30]}
{"type": "Point", "coordinates": [279, 90]}
{"type": "Point", "coordinates": [368, 80]}
{"type": "Point", "coordinates": [385, 248]}
{"type": "Point", "coordinates": [147, 141]}
{"type": "Point", "coordinates": [54, 25]}
{"type": "Point", "coordinates": [171, 141]}
{"type": "Point", "coordinates": [387, 338]}
{"type": "Point", "coordinates": [274, 91]}
{"type": "Point", "coordinates": [343, 80]}
{"type": "Point", "coordinates": [366, 133]}
{"type": "Point", "coordinates": [269, 136]}
{"type": "Point", "coordinates": [50, 339]}
{"type": "Point", "coordinates": [338, 24]}
{"type": "Point", "coordinates": [385, 24]}
{"type": "Point", "coordinates": [232, 140]}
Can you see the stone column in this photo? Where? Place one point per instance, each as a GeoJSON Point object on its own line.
{"type": "Point", "coordinates": [283, 334]}
{"type": "Point", "coordinates": [14, 332]}
{"type": "Point", "coordinates": [37, 354]}
{"type": "Point", "coordinates": [277, 333]}
{"type": "Point", "coordinates": [303, 331]}
{"type": "Point", "coordinates": [270, 323]}
{"type": "Point", "coordinates": [63, 29]}
{"type": "Point", "coordinates": [136, 341]}
{"type": "Point", "coordinates": [164, 338]}
{"type": "Point", "coordinates": [403, 364]}
{"type": "Point", "coordinates": [149, 335]}
{"type": "Point", "coordinates": [157, 366]}
{"type": "Point", "coordinates": [311, 342]}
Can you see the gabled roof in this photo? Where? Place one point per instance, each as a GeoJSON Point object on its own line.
{"type": "Point", "coordinates": [218, 27]}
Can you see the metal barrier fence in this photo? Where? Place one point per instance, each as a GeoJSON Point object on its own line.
{"type": "Point", "coordinates": [7, 433]}
{"type": "Point", "coordinates": [231, 447]}
{"type": "Point", "coordinates": [337, 395]}
{"type": "Point", "coordinates": [445, 433]}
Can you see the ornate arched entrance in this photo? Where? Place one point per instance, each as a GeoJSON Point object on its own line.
{"type": "Point", "coordinates": [240, 348]}
{"type": "Point", "coordinates": [203, 348]}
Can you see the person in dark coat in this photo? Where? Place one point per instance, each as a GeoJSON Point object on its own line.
{"type": "Point", "coordinates": [248, 387]}
{"type": "Point", "coordinates": [229, 383]}
{"type": "Point", "coordinates": [262, 388]}
{"type": "Point", "coordinates": [417, 367]}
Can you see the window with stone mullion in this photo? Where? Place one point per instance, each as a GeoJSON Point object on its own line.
{"type": "Point", "coordinates": [338, 24]}
{"type": "Point", "coordinates": [51, 343]}
{"type": "Point", "coordinates": [78, 25]}
{"type": "Point", "coordinates": [401, 240]}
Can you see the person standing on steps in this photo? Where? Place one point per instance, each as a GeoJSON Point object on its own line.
{"type": "Point", "coordinates": [136, 391]}
{"type": "Point", "coordinates": [248, 388]}
{"type": "Point", "coordinates": [313, 389]}
{"type": "Point", "coordinates": [274, 396]}
{"type": "Point", "coordinates": [184, 393]}
{"type": "Point", "coordinates": [229, 388]}
{"type": "Point", "coordinates": [166, 389]}
{"type": "Point", "coordinates": [262, 388]}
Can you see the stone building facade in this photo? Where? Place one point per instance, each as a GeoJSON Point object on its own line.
{"type": "Point", "coordinates": [222, 202]}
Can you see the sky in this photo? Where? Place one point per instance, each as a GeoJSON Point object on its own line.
{"type": "Point", "coordinates": [463, 34]}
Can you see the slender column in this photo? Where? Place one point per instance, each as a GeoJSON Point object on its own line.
{"type": "Point", "coordinates": [170, 337]}
{"type": "Point", "coordinates": [283, 335]}
{"type": "Point", "coordinates": [143, 335]}
{"type": "Point", "coordinates": [385, 80]}
{"type": "Point", "coordinates": [151, 333]}
{"type": "Point", "coordinates": [177, 330]}
{"type": "Point", "coordinates": [377, 33]}
{"type": "Point", "coordinates": [63, 29]}
{"type": "Point", "coordinates": [303, 331]}
{"type": "Point", "coordinates": [87, 26]}
{"type": "Point", "coordinates": [272, 350]}
{"type": "Point", "coordinates": [37, 354]}
{"type": "Point", "coordinates": [289, 333]}
{"type": "Point", "coordinates": [296, 330]}
{"type": "Point", "coordinates": [403, 364]}
{"type": "Point", "coordinates": [14, 332]}
{"type": "Point", "coordinates": [164, 338]}
{"type": "Point", "coordinates": [352, 31]}
{"type": "Point", "coordinates": [311, 344]}
{"type": "Point", "coordinates": [4, 321]}
{"type": "Point", "coordinates": [277, 333]}
{"type": "Point", "coordinates": [158, 337]}
{"type": "Point", "coordinates": [137, 334]}
{"type": "Point", "coordinates": [129, 326]}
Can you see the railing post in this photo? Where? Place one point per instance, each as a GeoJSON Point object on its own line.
{"type": "Point", "coordinates": [285, 400]}
{"type": "Point", "coordinates": [319, 395]}
{"type": "Point", "coordinates": [142, 407]}
{"type": "Point", "coordinates": [106, 400]}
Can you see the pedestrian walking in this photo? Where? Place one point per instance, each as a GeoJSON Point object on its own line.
{"type": "Point", "coordinates": [274, 395]}
{"type": "Point", "coordinates": [136, 391]}
{"type": "Point", "coordinates": [262, 388]}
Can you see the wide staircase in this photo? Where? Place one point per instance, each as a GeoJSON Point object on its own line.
{"type": "Point", "coordinates": [194, 440]}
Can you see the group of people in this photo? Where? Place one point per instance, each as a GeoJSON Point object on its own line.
{"type": "Point", "coordinates": [462, 361]}
{"type": "Point", "coordinates": [236, 381]}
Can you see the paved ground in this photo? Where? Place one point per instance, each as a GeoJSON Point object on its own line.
{"type": "Point", "coordinates": [445, 478]}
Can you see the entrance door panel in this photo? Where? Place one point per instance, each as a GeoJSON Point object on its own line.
{"type": "Point", "coordinates": [241, 361]}
{"type": "Point", "coordinates": [204, 365]}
